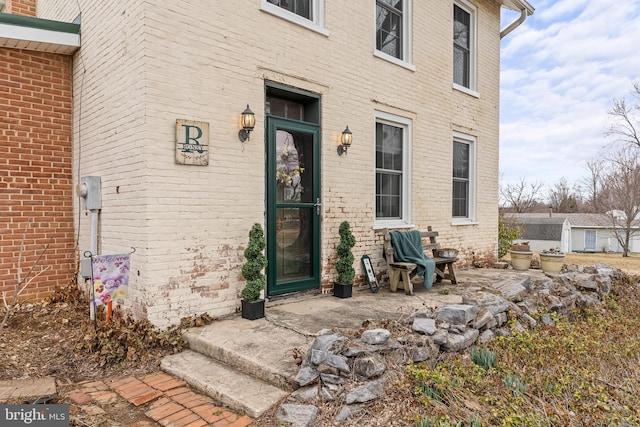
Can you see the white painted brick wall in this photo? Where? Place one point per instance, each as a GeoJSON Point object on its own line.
{"type": "Point", "coordinates": [143, 65]}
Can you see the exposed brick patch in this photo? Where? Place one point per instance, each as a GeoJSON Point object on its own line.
{"type": "Point", "coordinates": [120, 381]}
{"type": "Point", "coordinates": [172, 419]}
{"type": "Point", "coordinates": [104, 396]}
{"type": "Point", "coordinates": [191, 418]}
{"type": "Point", "coordinates": [95, 386]}
{"type": "Point", "coordinates": [164, 411]}
{"type": "Point", "coordinates": [80, 398]}
{"type": "Point", "coordinates": [168, 385]}
{"type": "Point", "coordinates": [243, 421]}
{"type": "Point", "coordinates": [21, 7]}
{"type": "Point", "coordinates": [177, 391]}
{"type": "Point", "coordinates": [156, 378]}
{"type": "Point", "coordinates": [192, 400]}
{"type": "Point", "coordinates": [134, 389]}
{"type": "Point", "coordinates": [145, 398]}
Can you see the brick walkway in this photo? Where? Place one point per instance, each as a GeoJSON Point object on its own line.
{"type": "Point", "coordinates": [163, 398]}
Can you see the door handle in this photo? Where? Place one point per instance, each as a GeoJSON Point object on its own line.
{"type": "Point", "coordinates": [318, 206]}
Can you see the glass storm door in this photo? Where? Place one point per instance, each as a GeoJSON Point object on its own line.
{"type": "Point", "coordinates": [293, 206]}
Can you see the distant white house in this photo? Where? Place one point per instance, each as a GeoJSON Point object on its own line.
{"type": "Point", "coordinates": [571, 232]}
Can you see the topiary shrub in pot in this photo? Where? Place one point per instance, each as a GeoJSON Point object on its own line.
{"type": "Point", "coordinates": [252, 305]}
{"type": "Point", "coordinates": [343, 286]}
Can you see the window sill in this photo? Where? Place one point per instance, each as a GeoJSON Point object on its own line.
{"type": "Point", "coordinates": [292, 17]}
{"type": "Point", "coordinates": [394, 60]}
{"type": "Point", "coordinates": [391, 224]}
{"type": "Point", "coordinates": [466, 90]}
{"type": "Point", "coordinates": [464, 222]}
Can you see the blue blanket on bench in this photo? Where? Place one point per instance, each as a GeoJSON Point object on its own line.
{"type": "Point", "coordinates": [407, 246]}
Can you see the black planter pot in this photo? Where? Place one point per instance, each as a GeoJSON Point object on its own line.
{"type": "Point", "coordinates": [341, 290]}
{"type": "Point", "coordinates": [252, 310]}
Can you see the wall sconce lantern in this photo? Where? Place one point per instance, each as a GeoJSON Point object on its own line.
{"type": "Point", "coordinates": [248, 122]}
{"type": "Point", "coordinates": [345, 141]}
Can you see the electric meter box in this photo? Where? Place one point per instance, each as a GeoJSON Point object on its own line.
{"type": "Point", "coordinates": [89, 191]}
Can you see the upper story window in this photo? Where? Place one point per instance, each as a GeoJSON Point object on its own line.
{"type": "Point", "coordinates": [392, 202]}
{"type": "Point", "coordinates": [393, 24]}
{"type": "Point", "coordinates": [299, 7]}
{"type": "Point", "coordinates": [306, 13]}
{"type": "Point", "coordinates": [464, 46]}
{"type": "Point", "coordinates": [463, 191]}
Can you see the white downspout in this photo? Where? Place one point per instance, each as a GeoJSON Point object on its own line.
{"type": "Point", "coordinates": [515, 24]}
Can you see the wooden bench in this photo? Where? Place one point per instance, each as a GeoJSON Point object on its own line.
{"type": "Point", "coordinates": [404, 271]}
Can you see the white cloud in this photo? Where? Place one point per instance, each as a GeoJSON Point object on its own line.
{"type": "Point", "coordinates": [560, 71]}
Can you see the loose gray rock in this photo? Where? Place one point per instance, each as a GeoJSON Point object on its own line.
{"type": "Point", "coordinates": [424, 326]}
{"type": "Point", "coordinates": [545, 284]}
{"type": "Point", "coordinates": [604, 284]}
{"type": "Point", "coordinates": [492, 323]}
{"type": "Point", "coordinates": [327, 394]}
{"type": "Point", "coordinates": [554, 303]}
{"type": "Point", "coordinates": [501, 319]}
{"type": "Point", "coordinates": [331, 379]}
{"type": "Point", "coordinates": [332, 343]}
{"type": "Point", "coordinates": [484, 316]}
{"type": "Point", "coordinates": [457, 342]}
{"type": "Point", "coordinates": [348, 411]}
{"type": "Point", "coordinates": [514, 290]}
{"type": "Point", "coordinates": [297, 415]}
{"type": "Point", "coordinates": [457, 329]}
{"type": "Point", "coordinates": [369, 366]}
{"type": "Point", "coordinates": [306, 375]}
{"type": "Point", "coordinates": [457, 314]}
{"type": "Point", "coordinates": [420, 354]}
{"type": "Point", "coordinates": [528, 306]}
{"type": "Point", "coordinates": [365, 393]}
{"type": "Point", "coordinates": [547, 320]}
{"type": "Point", "coordinates": [492, 302]}
{"type": "Point", "coordinates": [440, 337]}
{"type": "Point", "coordinates": [305, 394]}
{"type": "Point", "coordinates": [531, 322]}
{"type": "Point", "coordinates": [486, 336]}
{"type": "Point", "coordinates": [588, 285]}
{"type": "Point", "coordinates": [375, 336]}
{"type": "Point", "coordinates": [319, 357]}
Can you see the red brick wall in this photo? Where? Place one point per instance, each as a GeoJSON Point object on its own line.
{"type": "Point", "coordinates": [21, 7]}
{"type": "Point", "coordinates": [36, 184]}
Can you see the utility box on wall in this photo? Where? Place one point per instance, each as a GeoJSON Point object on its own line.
{"type": "Point", "coordinates": [89, 190]}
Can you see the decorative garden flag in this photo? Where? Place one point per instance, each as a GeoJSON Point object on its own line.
{"type": "Point", "coordinates": [110, 277]}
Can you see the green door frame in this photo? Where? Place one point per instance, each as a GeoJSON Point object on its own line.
{"type": "Point", "coordinates": [313, 280]}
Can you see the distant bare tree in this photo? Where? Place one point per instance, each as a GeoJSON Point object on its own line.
{"type": "Point", "coordinates": [621, 196]}
{"type": "Point", "coordinates": [625, 118]}
{"type": "Point", "coordinates": [521, 197]}
{"type": "Point", "coordinates": [563, 198]}
{"type": "Point", "coordinates": [592, 185]}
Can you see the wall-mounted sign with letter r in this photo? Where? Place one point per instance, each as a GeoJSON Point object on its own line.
{"type": "Point", "coordinates": [192, 143]}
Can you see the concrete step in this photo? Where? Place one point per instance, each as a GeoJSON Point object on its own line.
{"type": "Point", "coordinates": [238, 391]}
{"type": "Point", "coordinates": [259, 348]}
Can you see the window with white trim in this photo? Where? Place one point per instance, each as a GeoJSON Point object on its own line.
{"type": "Point", "coordinates": [393, 25]}
{"type": "Point", "coordinates": [307, 13]}
{"type": "Point", "coordinates": [464, 45]}
{"type": "Point", "coordinates": [464, 186]}
{"type": "Point", "coordinates": [392, 168]}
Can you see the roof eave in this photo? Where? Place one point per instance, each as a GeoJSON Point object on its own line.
{"type": "Point", "coordinates": [42, 35]}
{"type": "Point", "coordinates": [518, 5]}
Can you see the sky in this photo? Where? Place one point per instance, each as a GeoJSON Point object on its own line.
{"type": "Point", "coordinates": [560, 71]}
